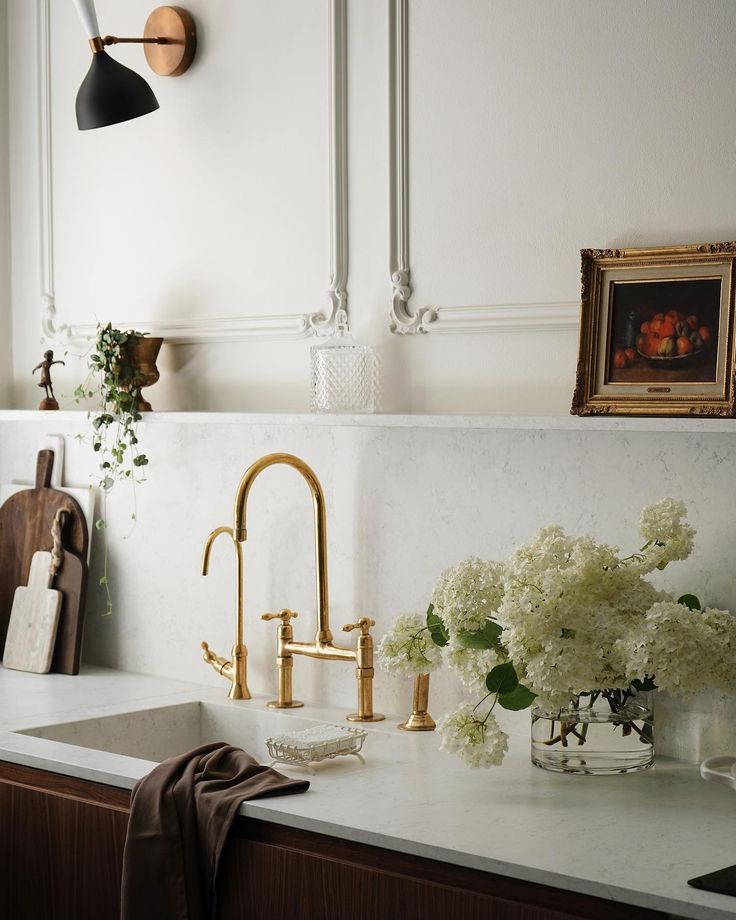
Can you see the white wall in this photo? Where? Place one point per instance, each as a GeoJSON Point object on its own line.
{"type": "Point", "coordinates": [535, 128]}
{"type": "Point", "coordinates": [5, 322]}
{"type": "Point", "coordinates": [402, 504]}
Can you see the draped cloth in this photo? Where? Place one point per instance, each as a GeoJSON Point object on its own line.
{"type": "Point", "coordinates": [181, 814]}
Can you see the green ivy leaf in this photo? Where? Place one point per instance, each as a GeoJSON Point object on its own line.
{"type": "Point", "coordinates": [690, 601]}
{"type": "Point", "coordinates": [140, 460]}
{"type": "Point", "coordinates": [520, 698]}
{"type": "Point", "coordinates": [502, 679]}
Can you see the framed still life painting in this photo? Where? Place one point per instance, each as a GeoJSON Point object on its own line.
{"type": "Point", "coordinates": [656, 331]}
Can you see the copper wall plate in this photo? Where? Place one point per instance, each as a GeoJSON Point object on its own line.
{"type": "Point", "coordinates": [177, 25]}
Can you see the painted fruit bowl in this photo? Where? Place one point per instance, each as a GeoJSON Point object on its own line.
{"type": "Point", "coordinates": [672, 362]}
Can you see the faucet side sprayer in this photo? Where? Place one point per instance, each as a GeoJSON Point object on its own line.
{"type": "Point", "coordinates": [235, 670]}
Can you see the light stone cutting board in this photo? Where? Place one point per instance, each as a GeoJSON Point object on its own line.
{"type": "Point", "coordinates": [34, 619]}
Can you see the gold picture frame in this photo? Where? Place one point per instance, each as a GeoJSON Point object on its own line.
{"type": "Point", "coordinates": [656, 332]}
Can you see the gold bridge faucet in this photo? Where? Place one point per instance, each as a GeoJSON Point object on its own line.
{"type": "Point", "coordinates": [323, 645]}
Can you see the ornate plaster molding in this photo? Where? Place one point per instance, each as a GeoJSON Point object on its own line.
{"type": "Point", "coordinates": [193, 331]}
{"type": "Point", "coordinates": [407, 318]}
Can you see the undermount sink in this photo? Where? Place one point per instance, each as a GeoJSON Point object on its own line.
{"type": "Point", "coordinates": [166, 731]}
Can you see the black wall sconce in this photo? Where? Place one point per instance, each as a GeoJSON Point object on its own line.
{"type": "Point", "coordinates": [111, 92]}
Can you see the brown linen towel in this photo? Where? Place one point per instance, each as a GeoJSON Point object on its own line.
{"type": "Point", "coordinates": [180, 817]}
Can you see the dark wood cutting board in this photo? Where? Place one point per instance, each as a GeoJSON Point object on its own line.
{"type": "Point", "coordinates": [25, 528]}
{"type": "Point", "coordinates": [71, 581]}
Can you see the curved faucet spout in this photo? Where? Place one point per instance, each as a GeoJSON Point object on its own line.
{"type": "Point", "coordinates": [240, 531]}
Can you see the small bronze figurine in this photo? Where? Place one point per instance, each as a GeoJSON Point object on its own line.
{"type": "Point", "coordinates": [45, 381]}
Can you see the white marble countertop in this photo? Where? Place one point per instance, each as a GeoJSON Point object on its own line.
{"type": "Point", "coordinates": [632, 839]}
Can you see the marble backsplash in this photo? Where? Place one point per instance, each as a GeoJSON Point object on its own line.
{"type": "Point", "coordinates": [403, 502]}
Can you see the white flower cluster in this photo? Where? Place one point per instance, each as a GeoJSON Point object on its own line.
{"type": "Point", "coordinates": [567, 601]}
{"type": "Point", "coordinates": [407, 648]}
{"type": "Point", "coordinates": [668, 537]}
{"type": "Point", "coordinates": [684, 649]}
{"type": "Point", "coordinates": [464, 598]}
{"type": "Point", "coordinates": [475, 738]}
{"type": "Point", "coordinates": [470, 664]}
{"type": "Point", "coordinates": [468, 594]}
{"type": "Point", "coordinates": [573, 617]}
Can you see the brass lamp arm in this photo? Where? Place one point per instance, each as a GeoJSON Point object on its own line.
{"type": "Point", "coordinates": [98, 44]}
{"type": "Point", "coordinates": [114, 40]}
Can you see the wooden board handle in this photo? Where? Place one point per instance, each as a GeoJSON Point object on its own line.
{"type": "Point", "coordinates": [44, 467]}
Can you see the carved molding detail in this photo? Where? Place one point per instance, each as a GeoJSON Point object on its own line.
{"type": "Point", "coordinates": [717, 247]}
{"type": "Point", "coordinates": [712, 411]}
{"type": "Point", "coordinates": [407, 318]}
{"type": "Point", "coordinates": [578, 396]}
{"type": "Point", "coordinates": [602, 253]}
{"type": "Point", "coordinates": [236, 328]}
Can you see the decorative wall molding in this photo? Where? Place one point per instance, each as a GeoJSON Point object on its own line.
{"type": "Point", "coordinates": [498, 317]}
{"type": "Point", "coordinates": [406, 318]}
{"type": "Point", "coordinates": [237, 328]}
{"type": "Point", "coordinates": [338, 207]}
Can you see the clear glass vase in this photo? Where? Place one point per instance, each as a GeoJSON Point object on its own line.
{"type": "Point", "coordinates": [344, 373]}
{"type": "Point", "coordinates": [601, 732]}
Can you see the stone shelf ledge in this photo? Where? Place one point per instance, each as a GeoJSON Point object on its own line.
{"type": "Point", "coordinates": [390, 420]}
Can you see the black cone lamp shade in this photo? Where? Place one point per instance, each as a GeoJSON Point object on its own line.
{"type": "Point", "coordinates": [111, 93]}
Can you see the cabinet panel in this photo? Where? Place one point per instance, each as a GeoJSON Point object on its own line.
{"type": "Point", "coordinates": [61, 847]}
{"type": "Point", "coordinates": [280, 872]}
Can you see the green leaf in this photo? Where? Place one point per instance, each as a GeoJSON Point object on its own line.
{"type": "Point", "coordinates": [100, 524]}
{"type": "Point", "coordinates": [690, 601]}
{"type": "Point", "coordinates": [488, 637]}
{"type": "Point", "coordinates": [140, 460]}
{"type": "Point", "coordinates": [520, 698]}
{"type": "Point", "coordinates": [437, 629]}
{"type": "Point", "coordinates": [502, 679]}
{"type": "Point", "coordinates": [643, 686]}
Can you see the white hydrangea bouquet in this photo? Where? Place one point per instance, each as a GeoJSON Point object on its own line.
{"type": "Point", "coordinates": [564, 618]}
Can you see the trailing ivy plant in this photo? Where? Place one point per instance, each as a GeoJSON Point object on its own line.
{"type": "Point", "coordinates": [112, 383]}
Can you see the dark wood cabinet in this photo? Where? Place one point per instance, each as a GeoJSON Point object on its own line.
{"type": "Point", "coordinates": [61, 846]}
{"type": "Point", "coordinates": [61, 850]}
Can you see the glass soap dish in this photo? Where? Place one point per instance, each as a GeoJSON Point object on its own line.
{"type": "Point", "coordinates": [344, 373]}
{"type": "Point", "coordinates": [321, 742]}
